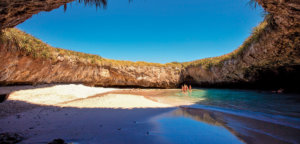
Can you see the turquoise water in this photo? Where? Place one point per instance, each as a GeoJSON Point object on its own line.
{"type": "Point", "coordinates": [254, 101]}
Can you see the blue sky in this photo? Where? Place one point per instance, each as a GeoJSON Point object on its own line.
{"type": "Point", "coordinates": [148, 30]}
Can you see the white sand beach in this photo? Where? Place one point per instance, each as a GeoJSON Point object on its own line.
{"type": "Point", "coordinates": [77, 111]}
{"type": "Point", "coordinates": [79, 96]}
{"type": "Point", "coordinates": [123, 101]}
{"type": "Point", "coordinates": [54, 95]}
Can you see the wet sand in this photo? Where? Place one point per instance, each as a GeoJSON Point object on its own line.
{"type": "Point", "coordinates": [249, 130]}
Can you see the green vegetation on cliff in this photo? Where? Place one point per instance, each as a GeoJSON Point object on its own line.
{"type": "Point", "coordinates": [34, 47]}
{"type": "Point", "coordinates": [218, 61]}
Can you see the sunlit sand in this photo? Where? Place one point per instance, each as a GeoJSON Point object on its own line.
{"type": "Point", "coordinates": [56, 94]}
{"type": "Point", "coordinates": [116, 101]}
{"type": "Point", "coordinates": [79, 111]}
{"type": "Point", "coordinates": [83, 97]}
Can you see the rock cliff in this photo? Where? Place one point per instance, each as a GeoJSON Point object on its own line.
{"type": "Point", "coordinates": [17, 67]}
{"type": "Point", "coordinates": [14, 12]}
{"type": "Point", "coordinates": [271, 60]}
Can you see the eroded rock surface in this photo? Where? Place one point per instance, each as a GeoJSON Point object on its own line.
{"type": "Point", "coordinates": [272, 61]}
{"type": "Point", "coordinates": [14, 12]}
{"type": "Point", "coordinates": [17, 68]}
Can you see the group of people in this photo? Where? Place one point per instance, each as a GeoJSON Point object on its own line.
{"type": "Point", "coordinates": [278, 91]}
{"type": "Point", "coordinates": [186, 88]}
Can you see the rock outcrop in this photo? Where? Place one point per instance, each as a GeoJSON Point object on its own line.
{"type": "Point", "coordinates": [14, 12]}
{"type": "Point", "coordinates": [10, 138]}
{"type": "Point", "coordinates": [271, 61]}
{"type": "Point", "coordinates": [15, 68]}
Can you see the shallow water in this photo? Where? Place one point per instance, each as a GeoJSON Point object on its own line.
{"type": "Point", "coordinates": [181, 129]}
{"type": "Point", "coordinates": [252, 101]}
{"type": "Point", "coordinates": [234, 116]}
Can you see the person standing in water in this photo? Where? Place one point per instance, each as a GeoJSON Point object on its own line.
{"type": "Point", "coordinates": [190, 88]}
{"type": "Point", "coordinates": [184, 88]}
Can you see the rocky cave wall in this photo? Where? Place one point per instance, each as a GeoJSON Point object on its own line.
{"type": "Point", "coordinates": [14, 12]}
{"type": "Point", "coordinates": [273, 61]}
{"type": "Point", "coordinates": [17, 68]}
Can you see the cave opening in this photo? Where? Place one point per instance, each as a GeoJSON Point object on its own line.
{"type": "Point", "coordinates": [155, 32]}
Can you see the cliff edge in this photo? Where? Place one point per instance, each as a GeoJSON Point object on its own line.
{"type": "Point", "coordinates": [269, 58]}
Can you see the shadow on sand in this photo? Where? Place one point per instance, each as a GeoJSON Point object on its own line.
{"type": "Point", "coordinates": [42, 124]}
